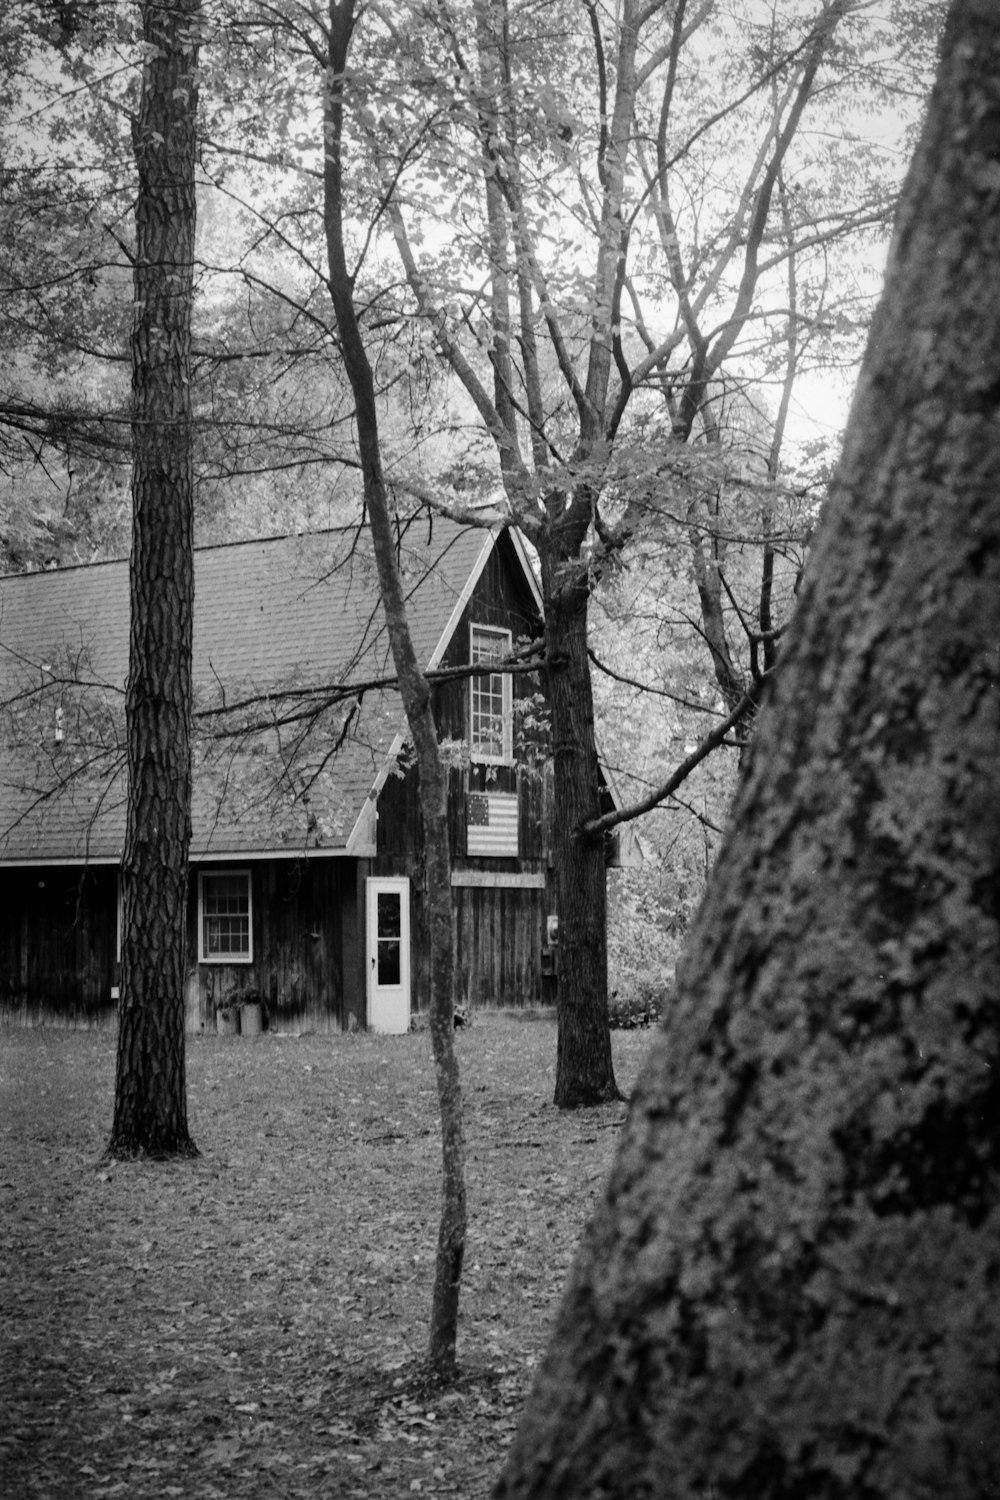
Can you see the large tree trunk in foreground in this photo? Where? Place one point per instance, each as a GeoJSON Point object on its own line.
{"type": "Point", "coordinates": [416, 696]}
{"type": "Point", "coordinates": [584, 1066]}
{"type": "Point", "coordinates": [150, 1097]}
{"type": "Point", "coordinates": [790, 1288]}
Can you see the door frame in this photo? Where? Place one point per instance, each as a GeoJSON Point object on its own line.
{"type": "Point", "coordinates": [376, 885]}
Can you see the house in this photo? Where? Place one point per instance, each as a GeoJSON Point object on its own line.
{"type": "Point", "coordinates": [307, 874]}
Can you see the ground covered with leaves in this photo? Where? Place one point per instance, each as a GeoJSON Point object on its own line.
{"type": "Point", "coordinates": [253, 1322]}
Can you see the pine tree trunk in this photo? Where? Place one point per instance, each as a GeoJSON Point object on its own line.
{"type": "Point", "coordinates": [150, 1098]}
{"type": "Point", "coordinates": [790, 1288]}
{"type": "Point", "coordinates": [584, 1067]}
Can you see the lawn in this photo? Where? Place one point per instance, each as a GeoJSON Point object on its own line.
{"type": "Point", "coordinates": [251, 1323]}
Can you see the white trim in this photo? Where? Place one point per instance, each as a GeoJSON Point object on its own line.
{"type": "Point", "coordinates": [505, 880]}
{"type": "Point", "coordinates": [362, 841]}
{"type": "Point", "coordinates": [51, 862]}
{"type": "Point", "coordinates": [611, 786]}
{"type": "Point", "coordinates": [387, 1006]}
{"type": "Point", "coordinates": [357, 839]}
{"type": "Point", "coordinates": [254, 856]}
{"type": "Point", "coordinates": [217, 873]}
{"type": "Point", "coordinates": [522, 553]}
{"type": "Point", "coordinates": [468, 588]}
{"type": "Point", "coordinates": [197, 856]}
{"type": "Point", "coordinates": [506, 756]}
{"type": "Point", "coordinates": [492, 537]}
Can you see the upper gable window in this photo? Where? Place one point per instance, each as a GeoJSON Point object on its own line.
{"type": "Point", "coordinates": [491, 717]}
{"type": "Point", "coordinates": [225, 910]}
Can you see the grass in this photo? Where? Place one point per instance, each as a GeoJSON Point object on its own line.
{"type": "Point", "coordinates": [252, 1322]}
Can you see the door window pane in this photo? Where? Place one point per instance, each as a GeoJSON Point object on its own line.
{"type": "Point", "coordinates": [389, 918]}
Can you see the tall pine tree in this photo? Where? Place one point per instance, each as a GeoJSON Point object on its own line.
{"type": "Point", "coordinates": [150, 1114]}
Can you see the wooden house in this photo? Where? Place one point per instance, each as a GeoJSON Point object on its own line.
{"type": "Point", "coordinates": [307, 882]}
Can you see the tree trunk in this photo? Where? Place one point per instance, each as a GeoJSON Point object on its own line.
{"type": "Point", "coordinates": [150, 1101]}
{"type": "Point", "coordinates": [584, 1072]}
{"type": "Point", "coordinates": [416, 695]}
{"type": "Point", "coordinates": [584, 1067]}
{"type": "Point", "coordinates": [790, 1287]}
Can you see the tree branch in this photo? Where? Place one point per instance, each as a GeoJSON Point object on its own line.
{"type": "Point", "coordinates": [711, 742]}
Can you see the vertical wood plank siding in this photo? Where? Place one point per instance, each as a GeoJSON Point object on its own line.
{"type": "Point", "coordinates": [58, 946]}
{"type": "Point", "coordinates": [499, 932]}
{"type": "Point", "coordinates": [303, 920]}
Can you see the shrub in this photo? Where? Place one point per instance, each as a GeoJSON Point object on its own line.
{"type": "Point", "coordinates": [641, 1003]}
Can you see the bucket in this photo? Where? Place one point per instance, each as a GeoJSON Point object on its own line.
{"type": "Point", "coordinates": [250, 1019]}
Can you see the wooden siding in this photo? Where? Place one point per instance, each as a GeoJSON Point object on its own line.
{"type": "Point", "coordinates": [58, 946]}
{"type": "Point", "coordinates": [528, 783]}
{"type": "Point", "coordinates": [305, 934]}
{"type": "Point", "coordinates": [501, 599]}
{"type": "Point", "coordinates": [499, 933]}
{"type": "Point", "coordinates": [499, 930]}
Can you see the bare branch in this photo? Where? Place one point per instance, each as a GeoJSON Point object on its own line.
{"type": "Point", "coordinates": [711, 742]}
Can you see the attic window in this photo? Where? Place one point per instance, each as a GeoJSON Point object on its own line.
{"type": "Point", "coordinates": [225, 911]}
{"type": "Point", "coordinates": [491, 736]}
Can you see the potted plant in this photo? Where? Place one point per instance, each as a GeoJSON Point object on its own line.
{"type": "Point", "coordinates": [227, 1016]}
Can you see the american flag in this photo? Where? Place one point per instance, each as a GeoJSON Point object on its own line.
{"type": "Point", "coordinates": [491, 824]}
{"type": "Point", "coordinates": [479, 811]}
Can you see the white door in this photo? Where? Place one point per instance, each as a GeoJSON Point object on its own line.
{"type": "Point", "coordinates": [388, 929]}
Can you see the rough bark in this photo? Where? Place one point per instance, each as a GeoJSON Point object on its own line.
{"type": "Point", "coordinates": [150, 1115]}
{"type": "Point", "coordinates": [416, 695]}
{"type": "Point", "coordinates": [790, 1287]}
{"type": "Point", "coordinates": [584, 1065]}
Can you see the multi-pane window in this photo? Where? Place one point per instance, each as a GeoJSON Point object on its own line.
{"type": "Point", "coordinates": [490, 716]}
{"type": "Point", "coordinates": [225, 917]}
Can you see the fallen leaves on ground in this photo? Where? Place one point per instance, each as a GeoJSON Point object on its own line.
{"type": "Point", "coordinates": [253, 1321]}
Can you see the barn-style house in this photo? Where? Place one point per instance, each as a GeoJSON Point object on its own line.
{"type": "Point", "coordinates": [307, 873]}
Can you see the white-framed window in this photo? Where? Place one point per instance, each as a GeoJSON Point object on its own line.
{"type": "Point", "coordinates": [491, 715]}
{"type": "Point", "coordinates": [225, 917]}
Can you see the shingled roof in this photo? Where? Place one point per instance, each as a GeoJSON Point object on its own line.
{"type": "Point", "coordinates": [288, 613]}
